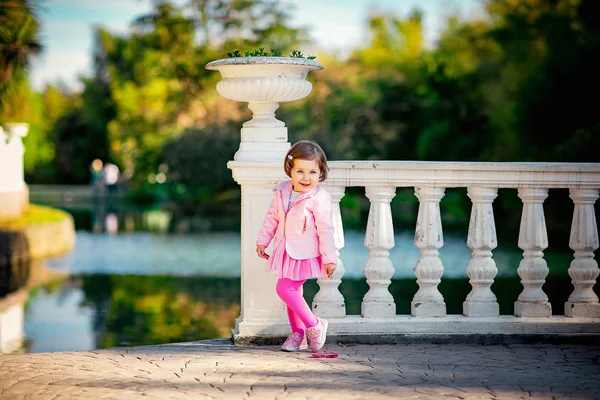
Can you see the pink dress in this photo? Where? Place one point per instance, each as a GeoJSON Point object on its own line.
{"type": "Point", "coordinates": [282, 265]}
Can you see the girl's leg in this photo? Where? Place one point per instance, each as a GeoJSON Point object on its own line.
{"type": "Point", "coordinates": [295, 322]}
{"type": "Point", "coordinates": [299, 312]}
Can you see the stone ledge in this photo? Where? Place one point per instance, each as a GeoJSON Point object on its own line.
{"type": "Point", "coordinates": [42, 233]}
{"type": "Point", "coordinates": [43, 239]}
{"type": "Point", "coordinates": [51, 239]}
{"type": "Point", "coordinates": [449, 329]}
{"type": "Point", "coordinates": [441, 339]}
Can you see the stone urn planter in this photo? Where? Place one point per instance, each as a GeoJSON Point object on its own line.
{"type": "Point", "coordinates": [263, 82]}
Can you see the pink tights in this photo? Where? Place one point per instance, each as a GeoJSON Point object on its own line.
{"type": "Point", "coordinates": [299, 312]}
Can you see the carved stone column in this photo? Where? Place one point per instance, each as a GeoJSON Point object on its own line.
{"type": "Point", "coordinates": [428, 301]}
{"type": "Point", "coordinates": [329, 302]}
{"type": "Point", "coordinates": [533, 239]}
{"type": "Point", "coordinates": [481, 301]}
{"type": "Point", "coordinates": [379, 238]}
{"type": "Point", "coordinates": [583, 302]}
{"type": "Point", "coordinates": [263, 82]}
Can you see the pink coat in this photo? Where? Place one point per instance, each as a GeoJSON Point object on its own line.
{"type": "Point", "coordinates": [307, 228]}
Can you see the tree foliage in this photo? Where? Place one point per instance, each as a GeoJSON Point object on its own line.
{"type": "Point", "coordinates": [517, 84]}
{"type": "Point", "coordinates": [18, 42]}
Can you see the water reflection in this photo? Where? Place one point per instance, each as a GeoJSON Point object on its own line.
{"type": "Point", "coordinates": [57, 319]}
{"type": "Point", "coordinates": [129, 282]}
{"type": "Point", "coordinates": [218, 254]}
{"type": "Point", "coordinates": [100, 311]}
{"type": "Point", "coordinates": [123, 217]}
{"type": "Point", "coordinates": [215, 254]}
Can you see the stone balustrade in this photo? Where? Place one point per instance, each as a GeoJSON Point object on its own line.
{"type": "Point", "coordinates": [263, 313]}
{"type": "Point", "coordinates": [264, 82]}
{"type": "Point", "coordinates": [13, 191]}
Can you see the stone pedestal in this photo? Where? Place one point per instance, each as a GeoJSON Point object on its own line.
{"type": "Point", "coordinates": [263, 82]}
{"type": "Point", "coordinates": [261, 309]}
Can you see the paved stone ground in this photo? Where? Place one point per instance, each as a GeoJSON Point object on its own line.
{"type": "Point", "coordinates": [216, 369]}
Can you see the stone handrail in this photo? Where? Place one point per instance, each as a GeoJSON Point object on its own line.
{"type": "Point", "coordinates": [465, 174]}
{"type": "Point", "coordinates": [482, 180]}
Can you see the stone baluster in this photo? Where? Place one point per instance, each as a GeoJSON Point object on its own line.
{"type": "Point", "coordinates": [379, 239]}
{"type": "Point", "coordinates": [428, 301]}
{"type": "Point", "coordinates": [481, 301]}
{"type": "Point", "coordinates": [533, 239]}
{"type": "Point", "coordinates": [329, 302]}
{"type": "Point", "coordinates": [583, 302]}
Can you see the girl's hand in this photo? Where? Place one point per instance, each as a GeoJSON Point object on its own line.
{"type": "Point", "coordinates": [260, 250]}
{"type": "Point", "coordinates": [329, 269]}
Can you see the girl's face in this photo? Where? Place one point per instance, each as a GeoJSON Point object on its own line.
{"type": "Point", "coordinates": [305, 175]}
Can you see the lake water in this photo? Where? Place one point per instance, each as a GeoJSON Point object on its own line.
{"type": "Point", "coordinates": [121, 287]}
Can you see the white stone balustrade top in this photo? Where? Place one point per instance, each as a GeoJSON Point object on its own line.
{"type": "Point", "coordinates": [441, 174]}
{"type": "Point", "coordinates": [464, 174]}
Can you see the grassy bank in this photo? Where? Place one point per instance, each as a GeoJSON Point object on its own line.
{"type": "Point", "coordinates": [36, 215]}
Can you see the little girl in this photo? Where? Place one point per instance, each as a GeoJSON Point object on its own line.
{"type": "Point", "coordinates": [300, 224]}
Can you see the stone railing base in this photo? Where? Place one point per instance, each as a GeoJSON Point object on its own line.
{"type": "Point", "coordinates": [449, 329]}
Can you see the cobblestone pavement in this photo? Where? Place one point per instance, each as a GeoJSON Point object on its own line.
{"type": "Point", "coordinates": [216, 369]}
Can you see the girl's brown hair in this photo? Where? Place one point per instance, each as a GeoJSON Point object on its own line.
{"type": "Point", "coordinates": [306, 150]}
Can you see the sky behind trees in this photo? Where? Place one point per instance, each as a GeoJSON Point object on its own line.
{"type": "Point", "coordinates": [334, 25]}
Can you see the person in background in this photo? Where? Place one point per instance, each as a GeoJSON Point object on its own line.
{"type": "Point", "coordinates": [110, 176]}
{"type": "Point", "coordinates": [96, 172]}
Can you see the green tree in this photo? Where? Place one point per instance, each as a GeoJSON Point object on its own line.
{"type": "Point", "coordinates": [157, 78]}
{"type": "Point", "coordinates": [244, 23]}
{"type": "Point", "coordinates": [553, 47]}
{"type": "Point", "coordinates": [193, 181]}
{"type": "Point", "coordinates": [362, 108]}
{"type": "Point", "coordinates": [18, 42]}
